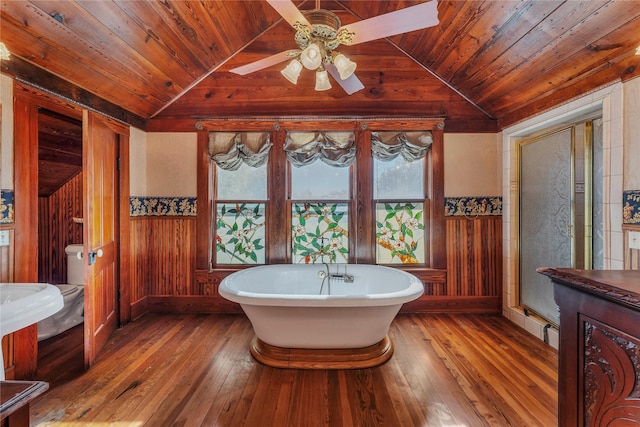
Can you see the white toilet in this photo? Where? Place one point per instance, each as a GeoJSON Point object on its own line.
{"type": "Point", "coordinates": [72, 313]}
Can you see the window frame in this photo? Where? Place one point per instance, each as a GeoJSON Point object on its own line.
{"type": "Point", "coordinates": [425, 200]}
{"type": "Point", "coordinates": [362, 205]}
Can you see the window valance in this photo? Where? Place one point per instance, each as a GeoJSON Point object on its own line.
{"type": "Point", "coordinates": [412, 146]}
{"type": "Point", "coordinates": [333, 148]}
{"type": "Point", "coordinates": [230, 149]}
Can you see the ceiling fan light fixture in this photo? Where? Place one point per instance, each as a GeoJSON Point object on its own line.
{"type": "Point", "coordinates": [4, 52]}
{"type": "Point", "coordinates": [292, 71]}
{"type": "Point", "coordinates": [345, 66]}
{"type": "Point", "coordinates": [322, 80]}
{"type": "Point", "coordinates": [311, 57]}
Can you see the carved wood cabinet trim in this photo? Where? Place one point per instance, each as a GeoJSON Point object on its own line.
{"type": "Point", "coordinates": [611, 374]}
{"type": "Point", "coordinates": [599, 357]}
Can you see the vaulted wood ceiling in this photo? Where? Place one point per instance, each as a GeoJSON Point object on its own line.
{"type": "Point", "coordinates": [162, 65]}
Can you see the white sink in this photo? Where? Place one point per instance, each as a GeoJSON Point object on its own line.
{"type": "Point", "coordinates": [23, 304]}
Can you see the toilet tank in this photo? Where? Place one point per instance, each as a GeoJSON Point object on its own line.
{"type": "Point", "coordinates": [75, 265]}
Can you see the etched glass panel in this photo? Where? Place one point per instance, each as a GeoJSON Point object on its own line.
{"type": "Point", "coordinates": [240, 235]}
{"type": "Point", "coordinates": [398, 179]}
{"type": "Point", "coordinates": [245, 183]}
{"type": "Point", "coordinates": [546, 223]}
{"type": "Point", "coordinates": [400, 233]}
{"type": "Point", "coordinates": [320, 233]}
{"type": "Point", "coordinates": [598, 197]}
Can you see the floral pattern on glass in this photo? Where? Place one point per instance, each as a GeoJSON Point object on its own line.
{"type": "Point", "coordinates": [320, 233]}
{"type": "Point", "coordinates": [240, 233]}
{"type": "Point", "coordinates": [400, 233]}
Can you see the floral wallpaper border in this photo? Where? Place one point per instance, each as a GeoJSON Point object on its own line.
{"type": "Point", "coordinates": [6, 207]}
{"type": "Point", "coordinates": [473, 206]}
{"type": "Point", "coordinates": [631, 207]}
{"type": "Point", "coordinates": [162, 206]}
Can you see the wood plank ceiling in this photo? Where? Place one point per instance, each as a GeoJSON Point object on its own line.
{"type": "Point", "coordinates": [162, 65]}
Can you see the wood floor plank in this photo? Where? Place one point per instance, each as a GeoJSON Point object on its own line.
{"type": "Point", "coordinates": [196, 370]}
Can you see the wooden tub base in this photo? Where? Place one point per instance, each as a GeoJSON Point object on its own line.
{"type": "Point", "coordinates": [300, 358]}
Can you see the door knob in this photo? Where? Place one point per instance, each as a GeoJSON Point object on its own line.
{"type": "Point", "coordinates": [94, 255]}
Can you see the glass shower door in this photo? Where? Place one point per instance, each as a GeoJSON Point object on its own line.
{"type": "Point", "coordinates": [546, 217]}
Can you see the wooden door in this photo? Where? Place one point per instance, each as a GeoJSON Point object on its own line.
{"type": "Point", "coordinates": [101, 140]}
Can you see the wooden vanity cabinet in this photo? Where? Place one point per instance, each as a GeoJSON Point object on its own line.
{"type": "Point", "coordinates": [599, 355]}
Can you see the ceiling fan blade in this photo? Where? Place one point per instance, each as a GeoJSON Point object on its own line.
{"type": "Point", "coordinates": [351, 84]}
{"type": "Point", "coordinates": [265, 62]}
{"type": "Point", "coordinates": [288, 11]}
{"type": "Point", "coordinates": [401, 21]}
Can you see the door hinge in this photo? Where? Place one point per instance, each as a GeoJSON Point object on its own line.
{"type": "Point", "coordinates": [118, 295]}
{"type": "Point", "coordinates": [118, 164]}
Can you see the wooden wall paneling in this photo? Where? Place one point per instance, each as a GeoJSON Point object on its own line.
{"type": "Point", "coordinates": [139, 265]}
{"type": "Point", "coordinates": [162, 256]}
{"type": "Point", "coordinates": [45, 256]}
{"type": "Point", "coordinates": [474, 256]}
{"type": "Point", "coordinates": [57, 229]}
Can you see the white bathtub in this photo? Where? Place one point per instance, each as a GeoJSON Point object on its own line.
{"type": "Point", "coordinates": [285, 307]}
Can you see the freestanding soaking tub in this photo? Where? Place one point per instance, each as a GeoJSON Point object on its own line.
{"type": "Point", "coordinates": [321, 316]}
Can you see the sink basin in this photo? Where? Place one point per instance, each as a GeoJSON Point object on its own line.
{"type": "Point", "coordinates": [23, 304]}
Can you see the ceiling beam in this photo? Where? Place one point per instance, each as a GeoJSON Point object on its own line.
{"type": "Point", "coordinates": [37, 77]}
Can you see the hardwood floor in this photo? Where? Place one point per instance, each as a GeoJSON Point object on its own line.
{"type": "Point", "coordinates": [196, 370]}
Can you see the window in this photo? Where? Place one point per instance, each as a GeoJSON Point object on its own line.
{"type": "Point", "coordinates": [320, 195]}
{"type": "Point", "coordinates": [399, 195]}
{"type": "Point", "coordinates": [358, 196]}
{"type": "Point", "coordinates": [240, 196]}
{"type": "Point", "coordinates": [240, 225]}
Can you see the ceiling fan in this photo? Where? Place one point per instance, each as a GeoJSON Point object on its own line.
{"type": "Point", "coordinates": [319, 32]}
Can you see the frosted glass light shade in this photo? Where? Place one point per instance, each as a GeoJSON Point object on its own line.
{"type": "Point", "coordinates": [292, 71]}
{"type": "Point", "coordinates": [311, 57]}
{"type": "Point", "coordinates": [345, 66]}
{"type": "Point", "coordinates": [322, 80]}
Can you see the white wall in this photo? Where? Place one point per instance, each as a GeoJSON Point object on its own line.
{"type": "Point", "coordinates": [137, 162]}
{"type": "Point", "coordinates": [171, 160]}
{"type": "Point", "coordinates": [6, 143]}
{"type": "Point", "coordinates": [472, 164]}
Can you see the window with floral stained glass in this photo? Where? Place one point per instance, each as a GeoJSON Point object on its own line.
{"type": "Point", "coordinates": [240, 196]}
{"type": "Point", "coordinates": [320, 195]}
{"type": "Point", "coordinates": [399, 195]}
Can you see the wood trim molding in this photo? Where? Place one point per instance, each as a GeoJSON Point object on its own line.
{"type": "Point", "coordinates": [25, 167]}
{"type": "Point", "coordinates": [43, 81]}
{"type": "Point", "coordinates": [124, 245]}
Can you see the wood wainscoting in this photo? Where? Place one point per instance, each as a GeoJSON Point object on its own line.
{"type": "Point", "coordinates": [57, 229]}
{"type": "Point", "coordinates": [162, 263]}
{"type": "Point", "coordinates": [164, 277]}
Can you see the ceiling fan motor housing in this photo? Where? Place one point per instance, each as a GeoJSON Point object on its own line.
{"type": "Point", "coordinates": [323, 31]}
